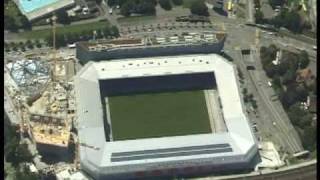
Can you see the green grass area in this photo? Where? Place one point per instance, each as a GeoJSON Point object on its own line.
{"type": "Point", "coordinates": [41, 34]}
{"type": "Point", "coordinates": [293, 1]}
{"type": "Point", "coordinates": [158, 115]}
{"type": "Point", "coordinates": [133, 19]}
{"type": "Point", "coordinates": [188, 3]}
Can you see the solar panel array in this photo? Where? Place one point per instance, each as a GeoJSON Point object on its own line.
{"type": "Point", "coordinates": [170, 152]}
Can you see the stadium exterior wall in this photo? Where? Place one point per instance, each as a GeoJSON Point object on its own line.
{"type": "Point", "coordinates": [175, 169]}
{"type": "Point", "coordinates": [151, 84]}
{"type": "Point", "coordinates": [84, 55]}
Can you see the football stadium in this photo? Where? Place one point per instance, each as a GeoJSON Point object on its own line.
{"type": "Point", "coordinates": [162, 116]}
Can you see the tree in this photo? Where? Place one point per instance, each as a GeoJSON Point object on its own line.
{"type": "Point", "coordinates": [288, 98]}
{"type": "Point", "coordinates": [98, 2]}
{"type": "Point", "coordinates": [272, 50]}
{"type": "Point", "coordinates": [30, 46]}
{"type": "Point", "coordinates": [12, 44]}
{"type": "Point", "coordinates": [270, 70]}
{"type": "Point", "coordinates": [99, 34]}
{"type": "Point", "coordinates": [28, 42]}
{"type": "Point", "coordinates": [276, 82]}
{"type": "Point", "coordinates": [38, 45]}
{"type": "Point", "coordinates": [295, 113]}
{"type": "Point", "coordinates": [259, 17]}
{"type": "Point", "coordinates": [254, 104]}
{"type": "Point", "coordinates": [303, 59]}
{"type": "Point", "coordinates": [114, 31]}
{"type": "Point", "coordinates": [10, 24]}
{"type": "Point", "coordinates": [112, 3]}
{"type": "Point", "coordinates": [63, 17]}
{"type": "Point", "coordinates": [240, 74]}
{"type": "Point", "coordinates": [25, 23]}
{"type": "Point", "coordinates": [147, 8]}
{"type": "Point", "coordinates": [292, 21]}
{"type": "Point", "coordinates": [125, 9]}
{"type": "Point", "coordinates": [288, 77]}
{"type": "Point", "coordinates": [21, 44]}
{"type": "Point", "coordinates": [244, 91]}
{"type": "Point", "coordinates": [282, 68]}
{"type": "Point", "coordinates": [302, 93]}
{"type": "Point", "coordinates": [274, 3]}
{"type": "Point", "coordinates": [177, 2]}
{"type": "Point", "coordinates": [199, 8]}
{"type": "Point", "coordinates": [309, 138]}
{"type": "Point", "coordinates": [165, 4]}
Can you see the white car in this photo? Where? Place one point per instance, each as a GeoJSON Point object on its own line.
{"type": "Point", "coordinates": [110, 11]}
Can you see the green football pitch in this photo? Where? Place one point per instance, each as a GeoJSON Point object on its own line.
{"type": "Point", "coordinates": [158, 115]}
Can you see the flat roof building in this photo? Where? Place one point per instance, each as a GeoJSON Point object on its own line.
{"type": "Point", "coordinates": [34, 9]}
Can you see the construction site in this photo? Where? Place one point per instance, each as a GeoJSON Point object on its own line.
{"type": "Point", "coordinates": [39, 99]}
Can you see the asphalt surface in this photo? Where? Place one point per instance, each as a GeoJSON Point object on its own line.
{"type": "Point", "coordinates": [303, 173]}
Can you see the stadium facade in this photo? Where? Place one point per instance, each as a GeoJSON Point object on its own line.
{"type": "Point", "coordinates": [102, 158]}
{"type": "Point", "coordinates": [135, 48]}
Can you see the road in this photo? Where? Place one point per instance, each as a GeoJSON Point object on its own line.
{"type": "Point", "coordinates": [266, 131]}
{"type": "Point", "coordinates": [283, 123]}
{"type": "Point", "coordinates": [304, 173]}
{"type": "Point", "coordinates": [268, 112]}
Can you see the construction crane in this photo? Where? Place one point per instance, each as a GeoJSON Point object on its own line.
{"type": "Point", "coordinates": [54, 52]}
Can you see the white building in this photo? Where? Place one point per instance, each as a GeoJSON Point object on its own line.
{"type": "Point", "coordinates": [172, 156]}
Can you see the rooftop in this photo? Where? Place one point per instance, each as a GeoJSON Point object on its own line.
{"type": "Point", "coordinates": [165, 40]}
{"type": "Point", "coordinates": [239, 137]}
{"type": "Point", "coordinates": [34, 9]}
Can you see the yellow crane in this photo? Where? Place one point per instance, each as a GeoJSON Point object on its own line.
{"type": "Point", "coordinates": [54, 52]}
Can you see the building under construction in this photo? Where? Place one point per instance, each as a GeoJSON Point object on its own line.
{"type": "Point", "coordinates": [44, 105]}
{"type": "Point", "coordinates": [188, 43]}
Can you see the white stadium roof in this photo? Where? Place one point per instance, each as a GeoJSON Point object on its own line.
{"type": "Point", "coordinates": [238, 137]}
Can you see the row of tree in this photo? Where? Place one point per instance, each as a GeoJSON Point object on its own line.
{"type": "Point", "coordinates": [287, 19]}
{"type": "Point", "coordinates": [144, 7]}
{"type": "Point", "coordinates": [147, 7]}
{"type": "Point", "coordinates": [291, 93]}
{"type": "Point", "coordinates": [22, 45]}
